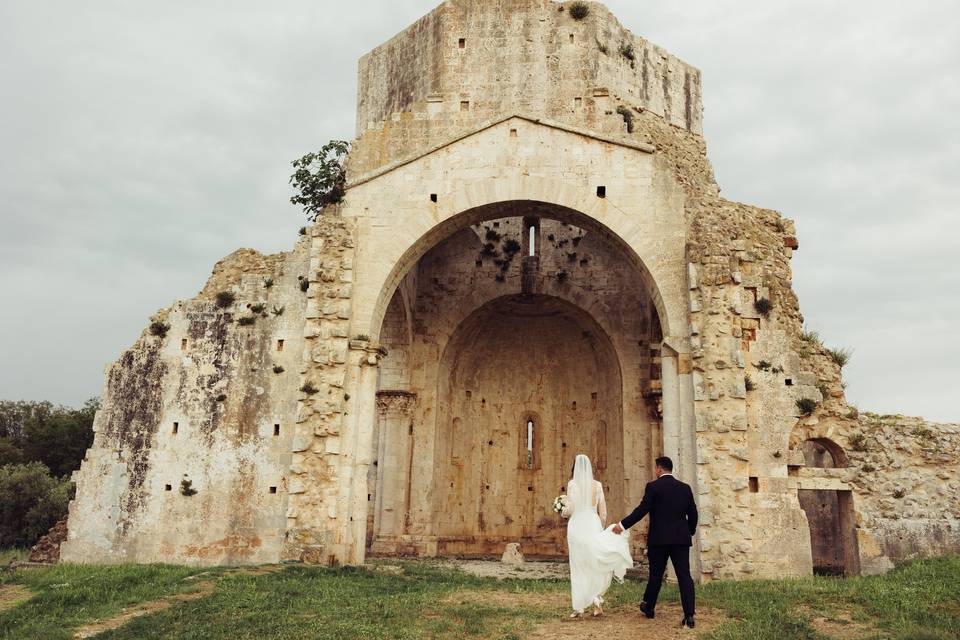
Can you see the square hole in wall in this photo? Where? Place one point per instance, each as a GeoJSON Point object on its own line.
{"type": "Point", "coordinates": [279, 345]}
{"type": "Point", "coordinates": [462, 43]}
{"type": "Point", "coordinates": [513, 133]}
{"type": "Point", "coordinates": [433, 197]}
{"type": "Point", "coordinates": [577, 102]}
{"type": "Point", "coordinates": [754, 484]}
{"type": "Point", "coordinates": [273, 489]}
{"type": "Point", "coordinates": [601, 192]}
{"type": "Point", "coordinates": [176, 428]}
{"type": "Point", "coordinates": [788, 382]}
{"type": "Point", "coordinates": [464, 105]}
{"type": "Point", "coordinates": [183, 344]}
{"type": "Point", "coordinates": [168, 487]}
{"type": "Point", "coordinates": [571, 37]}
{"type": "Point", "coordinates": [276, 429]}
{"type": "Point", "coordinates": [479, 263]}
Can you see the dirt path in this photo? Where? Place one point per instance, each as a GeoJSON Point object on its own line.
{"type": "Point", "coordinates": [627, 623]}
{"type": "Point", "coordinates": [204, 587]}
{"type": "Point", "coordinates": [11, 595]}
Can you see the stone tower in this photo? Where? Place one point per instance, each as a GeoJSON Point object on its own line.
{"type": "Point", "coordinates": [532, 261]}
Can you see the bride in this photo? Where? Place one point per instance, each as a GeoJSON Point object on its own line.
{"type": "Point", "coordinates": [597, 555]}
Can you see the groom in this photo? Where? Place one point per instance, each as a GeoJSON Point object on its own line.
{"type": "Point", "coordinates": [673, 521]}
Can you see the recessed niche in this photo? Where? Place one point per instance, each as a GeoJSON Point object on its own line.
{"type": "Point", "coordinates": [279, 345]}
{"type": "Point", "coordinates": [513, 133]}
{"type": "Point", "coordinates": [601, 192]}
{"type": "Point", "coordinates": [754, 484]}
{"type": "Point", "coordinates": [176, 428]}
{"type": "Point", "coordinates": [168, 487]}
{"type": "Point", "coordinates": [183, 344]}
{"type": "Point", "coordinates": [462, 43]}
{"type": "Point", "coordinates": [273, 489]}
{"type": "Point", "coordinates": [577, 102]}
{"type": "Point", "coordinates": [276, 429]}
{"type": "Point", "coordinates": [464, 105]}
{"type": "Point", "coordinates": [788, 382]}
{"type": "Point", "coordinates": [433, 197]}
{"type": "Point", "coordinates": [571, 37]}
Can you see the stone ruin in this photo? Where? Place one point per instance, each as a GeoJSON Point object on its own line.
{"type": "Point", "coordinates": [532, 261]}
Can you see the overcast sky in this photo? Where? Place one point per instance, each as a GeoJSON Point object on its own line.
{"type": "Point", "coordinates": [142, 141]}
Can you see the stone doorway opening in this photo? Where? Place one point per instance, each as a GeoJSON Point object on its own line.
{"type": "Point", "coordinates": [513, 344]}
{"type": "Point", "coordinates": [830, 514]}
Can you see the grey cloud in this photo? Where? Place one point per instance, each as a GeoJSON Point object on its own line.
{"type": "Point", "coordinates": [144, 141]}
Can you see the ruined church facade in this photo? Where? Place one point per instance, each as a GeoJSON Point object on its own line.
{"type": "Point", "coordinates": [532, 260]}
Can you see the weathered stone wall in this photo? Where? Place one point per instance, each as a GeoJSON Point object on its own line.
{"type": "Point", "coordinates": [468, 63]}
{"type": "Point", "coordinates": [211, 403]}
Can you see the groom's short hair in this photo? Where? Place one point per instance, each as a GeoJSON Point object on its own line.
{"type": "Point", "coordinates": [665, 463]}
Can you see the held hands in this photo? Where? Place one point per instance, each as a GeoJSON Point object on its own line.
{"type": "Point", "coordinates": [617, 529]}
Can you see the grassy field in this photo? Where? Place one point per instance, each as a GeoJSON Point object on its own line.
{"type": "Point", "coordinates": [917, 601]}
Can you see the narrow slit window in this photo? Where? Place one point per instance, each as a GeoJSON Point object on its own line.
{"type": "Point", "coordinates": [533, 239]}
{"type": "Point", "coordinates": [433, 197]}
{"type": "Point", "coordinates": [279, 345]}
{"type": "Point", "coordinates": [183, 344]}
{"type": "Point", "coordinates": [530, 429]}
{"type": "Point", "coordinates": [276, 429]}
{"type": "Point", "coordinates": [176, 428]}
{"type": "Point", "coordinates": [462, 43]}
{"type": "Point", "coordinates": [601, 192]}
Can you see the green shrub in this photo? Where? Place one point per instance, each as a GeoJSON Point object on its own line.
{"type": "Point", "coordinates": [579, 10]}
{"type": "Point", "coordinates": [258, 308]}
{"type": "Point", "coordinates": [748, 383]}
{"type": "Point", "coordinates": [320, 178]}
{"type": "Point", "coordinates": [268, 283]}
{"type": "Point", "coordinates": [492, 236]}
{"type": "Point", "coordinates": [225, 299]}
{"type": "Point", "coordinates": [277, 369]}
{"type": "Point", "coordinates": [806, 406]}
{"type": "Point", "coordinates": [811, 336]}
{"type": "Point", "coordinates": [763, 365]}
{"type": "Point", "coordinates": [309, 389]}
{"type": "Point", "coordinates": [31, 501]}
{"type": "Point", "coordinates": [858, 442]}
{"type": "Point", "coordinates": [763, 307]}
{"type": "Point", "coordinates": [626, 50]}
{"type": "Point", "coordinates": [511, 246]}
{"type": "Point", "coordinates": [362, 337]}
{"type": "Point", "coordinates": [246, 321]}
{"type": "Point", "coordinates": [840, 357]}
{"type": "Point", "coordinates": [303, 231]}
{"type": "Point", "coordinates": [159, 329]}
{"type": "Point", "coordinates": [278, 311]}
{"type": "Point", "coordinates": [186, 488]}
{"type": "Point", "coordinates": [304, 285]}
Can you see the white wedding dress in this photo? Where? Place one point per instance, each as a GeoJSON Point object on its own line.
{"type": "Point", "coordinates": [597, 555]}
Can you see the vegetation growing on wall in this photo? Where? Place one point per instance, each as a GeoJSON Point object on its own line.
{"type": "Point", "coordinates": [579, 10]}
{"type": "Point", "coordinates": [320, 178]}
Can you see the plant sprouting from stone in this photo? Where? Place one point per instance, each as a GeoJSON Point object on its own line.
{"type": "Point", "coordinates": [362, 337]}
{"type": "Point", "coordinates": [748, 383]}
{"type": "Point", "coordinates": [579, 10]}
{"type": "Point", "coordinates": [278, 311]}
{"type": "Point", "coordinates": [511, 247]}
{"type": "Point", "coordinates": [258, 308]}
{"type": "Point", "coordinates": [246, 321]}
{"type": "Point", "coordinates": [763, 365]}
{"type": "Point", "coordinates": [840, 357]}
{"type": "Point", "coordinates": [186, 488]}
{"type": "Point", "coordinates": [626, 50]}
{"type": "Point", "coordinates": [627, 115]}
{"type": "Point", "coordinates": [303, 231]}
{"type": "Point", "coordinates": [806, 406]}
{"type": "Point", "coordinates": [225, 299]}
{"type": "Point", "coordinates": [899, 493]}
{"type": "Point", "coordinates": [159, 329]}
{"type": "Point", "coordinates": [268, 283]}
{"type": "Point", "coordinates": [304, 284]}
{"type": "Point", "coordinates": [858, 442]}
{"type": "Point", "coordinates": [320, 178]}
{"type": "Point", "coordinates": [309, 389]}
{"type": "Point", "coordinates": [763, 307]}
{"type": "Point", "coordinates": [277, 369]}
{"type": "Point", "coordinates": [562, 276]}
{"type": "Point", "coordinates": [489, 250]}
{"type": "Point", "coordinates": [603, 48]}
{"type": "Point", "coordinates": [492, 236]}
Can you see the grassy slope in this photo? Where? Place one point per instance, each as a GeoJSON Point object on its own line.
{"type": "Point", "coordinates": [920, 600]}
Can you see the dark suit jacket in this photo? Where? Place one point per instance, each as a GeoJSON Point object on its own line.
{"type": "Point", "coordinates": [673, 513]}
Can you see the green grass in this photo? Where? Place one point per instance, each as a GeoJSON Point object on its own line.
{"type": "Point", "coordinates": [13, 554]}
{"type": "Point", "coordinates": [919, 600]}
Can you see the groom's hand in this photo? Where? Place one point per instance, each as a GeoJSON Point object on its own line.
{"type": "Point", "coordinates": [617, 529]}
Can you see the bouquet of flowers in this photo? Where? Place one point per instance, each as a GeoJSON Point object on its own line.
{"type": "Point", "coordinates": [561, 504]}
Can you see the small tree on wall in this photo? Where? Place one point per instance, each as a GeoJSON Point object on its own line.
{"type": "Point", "coordinates": [320, 178]}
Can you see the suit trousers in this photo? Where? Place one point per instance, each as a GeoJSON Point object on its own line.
{"type": "Point", "coordinates": [679, 555]}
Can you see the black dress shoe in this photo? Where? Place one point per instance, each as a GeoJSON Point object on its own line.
{"type": "Point", "coordinates": [688, 622]}
{"type": "Point", "coordinates": [647, 610]}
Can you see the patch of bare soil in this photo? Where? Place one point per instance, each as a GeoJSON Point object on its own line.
{"type": "Point", "coordinates": [627, 623]}
{"type": "Point", "coordinates": [524, 571]}
{"type": "Point", "coordinates": [204, 587]}
{"type": "Point", "coordinates": [507, 599]}
{"type": "Point", "coordinates": [839, 624]}
{"type": "Point", "coordinates": [11, 595]}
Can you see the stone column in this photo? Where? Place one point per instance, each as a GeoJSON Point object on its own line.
{"type": "Point", "coordinates": [394, 410]}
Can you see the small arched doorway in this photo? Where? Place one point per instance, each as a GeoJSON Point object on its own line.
{"type": "Point", "coordinates": [830, 513]}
